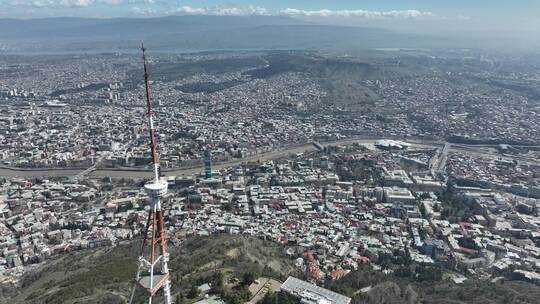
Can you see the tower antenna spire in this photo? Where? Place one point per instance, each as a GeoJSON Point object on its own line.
{"type": "Point", "coordinates": [153, 272]}
{"type": "Point", "coordinates": [150, 115]}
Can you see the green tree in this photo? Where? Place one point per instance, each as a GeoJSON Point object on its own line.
{"type": "Point", "coordinates": [468, 243]}
{"type": "Point", "coordinates": [179, 299]}
{"type": "Point", "coordinates": [217, 283]}
{"type": "Point", "coordinates": [193, 292]}
{"type": "Point", "coordinates": [403, 271]}
{"type": "Point", "coordinates": [248, 278]}
{"type": "Point", "coordinates": [278, 298]}
{"type": "Point", "coordinates": [422, 209]}
{"type": "Point", "coordinates": [244, 294]}
{"type": "Point", "coordinates": [428, 274]}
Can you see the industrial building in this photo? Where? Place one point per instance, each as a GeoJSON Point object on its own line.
{"type": "Point", "coordinates": [312, 294]}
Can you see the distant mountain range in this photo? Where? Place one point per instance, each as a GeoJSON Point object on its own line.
{"type": "Point", "coordinates": [198, 33]}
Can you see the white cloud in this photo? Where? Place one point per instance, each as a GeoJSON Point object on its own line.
{"type": "Point", "coordinates": [68, 3]}
{"type": "Point", "coordinates": [143, 11]}
{"type": "Point", "coordinates": [71, 3]}
{"type": "Point", "coordinates": [164, 7]}
{"type": "Point", "coordinates": [325, 13]}
{"type": "Point", "coordinates": [292, 12]}
{"type": "Point", "coordinates": [55, 3]}
{"type": "Point", "coordinates": [222, 11]}
{"type": "Point", "coordinates": [188, 10]}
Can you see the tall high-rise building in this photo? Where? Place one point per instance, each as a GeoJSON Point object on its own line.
{"type": "Point", "coordinates": [207, 164]}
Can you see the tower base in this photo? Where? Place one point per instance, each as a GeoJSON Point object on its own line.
{"type": "Point", "coordinates": [158, 281]}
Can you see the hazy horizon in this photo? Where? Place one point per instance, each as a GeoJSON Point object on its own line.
{"type": "Point", "coordinates": [497, 17]}
{"type": "Point", "coordinates": [494, 25]}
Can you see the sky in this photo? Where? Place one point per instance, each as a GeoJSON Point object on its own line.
{"type": "Point", "coordinates": [460, 15]}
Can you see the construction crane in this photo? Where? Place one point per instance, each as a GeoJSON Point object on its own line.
{"type": "Point", "coordinates": [152, 273]}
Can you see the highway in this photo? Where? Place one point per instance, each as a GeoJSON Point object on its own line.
{"type": "Point", "coordinates": [438, 162]}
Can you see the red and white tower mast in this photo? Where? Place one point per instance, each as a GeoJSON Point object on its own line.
{"type": "Point", "coordinates": [153, 272]}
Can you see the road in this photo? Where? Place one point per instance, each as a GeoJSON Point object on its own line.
{"type": "Point", "coordinates": [438, 161]}
{"type": "Point", "coordinates": [443, 147]}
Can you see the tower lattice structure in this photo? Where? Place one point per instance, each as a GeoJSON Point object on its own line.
{"type": "Point", "coordinates": [152, 273]}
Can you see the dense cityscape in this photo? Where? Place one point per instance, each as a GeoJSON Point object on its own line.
{"type": "Point", "coordinates": [396, 164]}
{"type": "Point", "coordinates": [75, 111]}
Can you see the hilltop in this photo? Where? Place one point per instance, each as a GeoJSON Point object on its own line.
{"type": "Point", "coordinates": [103, 276]}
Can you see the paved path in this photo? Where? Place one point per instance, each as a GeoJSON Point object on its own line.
{"type": "Point", "coordinates": [258, 291]}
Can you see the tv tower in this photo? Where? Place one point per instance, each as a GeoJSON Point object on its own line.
{"type": "Point", "coordinates": [153, 272]}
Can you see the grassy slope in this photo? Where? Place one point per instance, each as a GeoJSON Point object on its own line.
{"type": "Point", "coordinates": [102, 276]}
{"type": "Point", "coordinates": [391, 289]}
